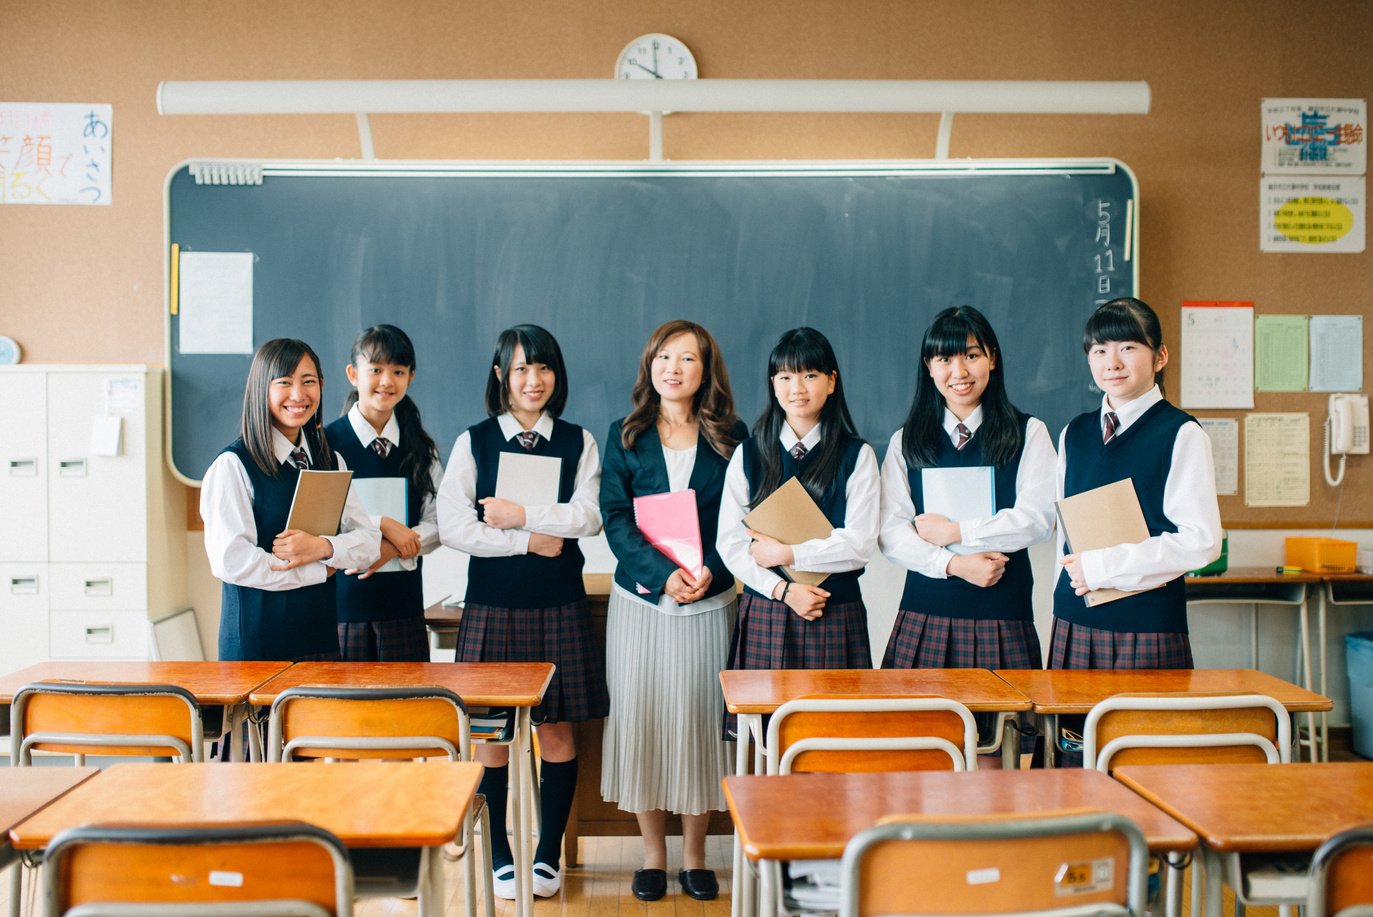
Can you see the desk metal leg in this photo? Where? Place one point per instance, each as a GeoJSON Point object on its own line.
{"type": "Point", "coordinates": [521, 777]}
{"type": "Point", "coordinates": [1307, 680]}
{"type": "Point", "coordinates": [743, 900]}
{"type": "Point", "coordinates": [1321, 604]}
{"type": "Point", "coordinates": [1047, 723]}
{"type": "Point", "coordinates": [769, 887]}
{"type": "Point", "coordinates": [1214, 881]}
{"type": "Point", "coordinates": [1010, 742]}
{"type": "Point", "coordinates": [431, 898]}
{"type": "Point", "coordinates": [1172, 884]}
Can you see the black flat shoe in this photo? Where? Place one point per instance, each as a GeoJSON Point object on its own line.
{"type": "Point", "coordinates": [700, 884]}
{"type": "Point", "coordinates": [649, 884]}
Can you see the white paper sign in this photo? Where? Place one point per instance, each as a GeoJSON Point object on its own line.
{"type": "Point", "coordinates": [1303, 213]}
{"type": "Point", "coordinates": [216, 302]}
{"type": "Point", "coordinates": [1224, 433]}
{"type": "Point", "coordinates": [1315, 136]}
{"type": "Point", "coordinates": [1336, 353]}
{"type": "Point", "coordinates": [1277, 459]}
{"type": "Point", "coordinates": [1218, 355]}
{"type": "Point", "coordinates": [56, 153]}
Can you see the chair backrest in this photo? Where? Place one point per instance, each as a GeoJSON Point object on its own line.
{"type": "Point", "coordinates": [368, 722]}
{"type": "Point", "coordinates": [1186, 729]}
{"type": "Point", "coordinates": [105, 719]}
{"type": "Point", "coordinates": [1055, 863]}
{"type": "Point", "coordinates": [289, 868]}
{"type": "Point", "coordinates": [1342, 875]}
{"type": "Point", "coordinates": [853, 733]}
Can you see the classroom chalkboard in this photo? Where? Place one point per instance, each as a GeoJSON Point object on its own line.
{"type": "Point", "coordinates": [602, 254]}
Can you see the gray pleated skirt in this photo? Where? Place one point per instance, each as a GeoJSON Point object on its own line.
{"type": "Point", "coordinates": [662, 747]}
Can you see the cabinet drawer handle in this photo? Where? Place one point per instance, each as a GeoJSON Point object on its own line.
{"type": "Point", "coordinates": [71, 468]}
{"type": "Point", "coordinates": [24, 585]}
{"type": "Point", "coordinates": [23, 468]}
{"type": "Point", "coordinates": [101, 633]}
{"type": "Point", "coordinates": [101, 586]}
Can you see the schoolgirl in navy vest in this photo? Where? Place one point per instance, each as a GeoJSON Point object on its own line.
{"type": "Point", "coordinates": [278, 588]}
{"type": "Point", "coordinates": [525, 600]}
{"type": "Point", "coordinates": [381, 614]}
{"type": "Point", "coordinates": [1135, 434]}
{"type": "Point", "coordinates": [668, 632]}
{"type": "Point", "coordinates": [805, 432]}
{"type": "Point", "coordinates": [967, 601]}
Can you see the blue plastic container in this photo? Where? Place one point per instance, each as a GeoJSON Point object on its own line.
{"type": "Point", "coordinates": [1358, 654]}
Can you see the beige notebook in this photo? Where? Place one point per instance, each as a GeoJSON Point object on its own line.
{"type": "Point", "coordinates": [1102, 518]}
{"type": "Point", "coordinates": [791, 516]}
{"type": "Point", "coordinates": [317, 505]}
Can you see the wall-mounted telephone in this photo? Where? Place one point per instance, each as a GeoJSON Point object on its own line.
{"type": "Point", "coordinates": [1346, 431]}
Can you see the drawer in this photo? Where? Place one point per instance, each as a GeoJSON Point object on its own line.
{"type": "Point", "coordinates": [99, 634]}
{"type": "Point", "coordinates": [90, 586]}
{"type": "Point", "coordinates": [23, 615]}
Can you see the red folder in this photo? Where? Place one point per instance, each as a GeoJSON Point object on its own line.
{"type": "Point", "coordinates": [670, 524]}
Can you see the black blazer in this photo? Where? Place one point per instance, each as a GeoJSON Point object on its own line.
{"type": "Point", "coordinates": [639, 473]}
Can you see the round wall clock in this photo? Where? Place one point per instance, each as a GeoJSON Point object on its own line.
{"type": "Point", "coordinates": [655, 57]}
{"type": "Point", "coordinates": [9, 351]}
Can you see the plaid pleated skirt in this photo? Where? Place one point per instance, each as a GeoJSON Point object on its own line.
{"type": "Point", "coordinates": [922, 641]}
{"type": "Point", "coordinates": [561, 635]}
{"type": "Point", "coordinates": [769, 635]}
{"type": "Point", "coordinates": [1072, 646]}
{"type": "Point", "coordinates": [402, 640]}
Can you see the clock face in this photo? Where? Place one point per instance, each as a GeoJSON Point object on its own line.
{"type": "Point", "coordinates": [9, 351]}
{"type": "Point", "coordinates": [655, 57]}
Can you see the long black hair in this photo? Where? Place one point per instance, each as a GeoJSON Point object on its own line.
{"type": "Point", "coordinates": [389, 344]}
{"type": "Point", "coordinates": [539, 347]}
{"type": "Point", "coordinates": [277, 358]}
{"type": "Point", "coordinates": [1125, 319]}
{"type": "Point", "coordinates": [1001, 433]}
{"type": "Point", "coordinates": [803, 350]}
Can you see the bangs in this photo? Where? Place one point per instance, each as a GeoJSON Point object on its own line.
{"type": "Point", "coordinates": [385, 344]}
{"type": "Point", "coordinates": [948, 335]}
{"type": "Point", "coordinates": [281, 357]}
{"type": "Point", "coordinates": [1118, 320]}
{"type": "Point", "coordinates": [538, 346]}
{"type": "Point", "coordinates": [802, 350]}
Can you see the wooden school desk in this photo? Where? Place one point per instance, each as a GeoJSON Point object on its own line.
{"type": "Point", "coordinates": [1337, 589]}
{"type": "Point", "coordinates": [213, 684]}
{"type": "Point", "coordinates": [25, 790]}
{"type": "Point", "coordinates": [1054, 692]}
{"type": "Point", "coordinates": [520, 685]}
{"type": "Point", "coordinates": [754, 693]}
{"type": "Point", "coordinates": [366, 803]}
{"type": "Point", "coordinates": [1255, 808]}
{"type": "Point", "coordinates": [812, 816]}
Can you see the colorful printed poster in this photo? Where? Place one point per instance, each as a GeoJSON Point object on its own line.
{"type": "Point", "coordinates": [1315, 136]}
{"type": "Point", "coordinates": [55, 153]}
{"type": "Point", "coordinates": [1311, 214]}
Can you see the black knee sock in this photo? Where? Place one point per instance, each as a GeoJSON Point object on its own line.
{"type": "Point", "coordinates": [493, 787]}
{"type": "Point", "coordinates": [556, 789]}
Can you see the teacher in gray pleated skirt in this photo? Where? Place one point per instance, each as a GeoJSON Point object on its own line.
{"type": "Point", "coordinates": [672, 608]}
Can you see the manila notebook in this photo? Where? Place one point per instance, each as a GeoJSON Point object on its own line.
{"type": "Point", "coordinates": [791, 516]}
{"type": "Point", "coordinates": [317, 506]}
{"type": "Point", "coordinates": [1102, 518]}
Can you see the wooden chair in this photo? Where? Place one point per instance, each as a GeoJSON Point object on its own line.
{"type": "Point", "coordinates": [105, 719]}
{"type": "Point", "coordinates": [861, 733]}
{"type": "Point", "coordinates": [291, 869]}
{"type": "Point", "coordinates": [1061, 863]}
{"type": "Point", "coordinates": [397, 723]}
{"type": "Point", "coordinates": [1342, 876]}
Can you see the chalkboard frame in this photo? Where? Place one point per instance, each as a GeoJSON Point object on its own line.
{"type": "Point", "coordinates": [1056, 391]}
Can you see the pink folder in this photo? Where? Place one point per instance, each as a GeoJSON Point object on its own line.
{"type": "Point", "coordinates": [670, 524]}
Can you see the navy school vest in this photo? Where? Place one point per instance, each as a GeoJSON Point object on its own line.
{"type": "Point", "coordinates": [257, 624]}
{"type": "Point", "coordinates": [1010, 599]}
{"type": "Point", "coordinates": [382, 596]}
{"type": "Point", "coordinates": [1144, 453]}
{"type": "Point", "coordinates": [842, 587]}
{"type": "Point", "coordinates": [526, 580]}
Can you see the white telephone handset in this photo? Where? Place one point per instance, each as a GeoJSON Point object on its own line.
{"type": "Point", "coordinates": [1346, 431]}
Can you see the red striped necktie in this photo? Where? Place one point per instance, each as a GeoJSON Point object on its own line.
{"type": "Point", "coordinates": [1112, 424]}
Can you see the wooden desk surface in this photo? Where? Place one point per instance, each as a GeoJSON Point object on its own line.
{"type": "Point", "coordinates": [1253, 808]}
{"type": "Point", "coordinates": [812, 816]}
{"type": "Point", "coordinates": [211, 682]}
{"type": "Point", "coordinates": [1078, 690]}
{"type": "Point", "coordinates": [365, 803]}
{"type": "Point", "coordinates": [482, 684]}
{"type": "Point", "coordinates": [764, 690]}
{"type": "Point", "coordinates": [1253, 575]}
{"type": "Point", "coordinates": [25, 790]}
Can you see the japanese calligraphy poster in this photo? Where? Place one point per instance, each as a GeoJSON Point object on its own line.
{"type": "Point", "coordinates": [55, 153]}
{"type": "Point", "coordinates": [1311, 213]}
{"type": "Point", "coordinates": [1325, 136]}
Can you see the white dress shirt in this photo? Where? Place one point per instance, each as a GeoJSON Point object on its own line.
{"type": "Point", "coordinates": [1189, 500]}
{"type": "Point", "coordinates": [847, 548]}
{"type": "Point", "coordinates": [226, 505]}
{"type": "Point", "coordinates": [428, 527]}
{"type": "Point", "coordinates": [1029, 521]}
{"type": "Point", "coordinates": [460, 528]}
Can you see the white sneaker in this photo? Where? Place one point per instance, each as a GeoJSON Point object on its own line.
{"type": "Point", "coordinates": [547, 880]}
{"type": "Point", "coordinates": [503, 882]}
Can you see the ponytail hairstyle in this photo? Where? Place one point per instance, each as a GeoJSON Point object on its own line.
{"type": "Point", "coordinates": [713, 404]}
{"type": "Point", "coordinates": [803, 350]}
{"type": "Point", "coordinates": [389, 344]}
{"type": "Point", "coordinates": [1125, 319]}
{"type": "Point", "coordinates": [539, 347]}
{"type": "Point", "coordinates": [1001, 433]}
{"type": "Point", "coordinates": [277, 358]}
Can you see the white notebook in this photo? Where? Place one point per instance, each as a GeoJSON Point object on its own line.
{"type": "Point", "coordinates": [529, 480]}
{"type": "Point", "coordinates": [961, 494]}
{"type": "Point", "coordinates": [383, 497]}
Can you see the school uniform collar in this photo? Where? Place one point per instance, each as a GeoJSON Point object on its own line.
{"type": "Point", "coordinates": [366, 433]}
{"type": "Point", "coordinates": [283, 447]}
{"type": "Point", "coordinates": [510, 427]}
{"type": "Point", "coordinates": [1131, 411]}
{"type": "Point", "coordinates": [789, 438]}
{"type": "Point", "coordinates": [951, 422]}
